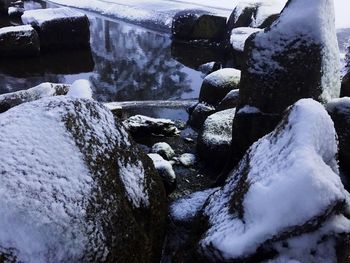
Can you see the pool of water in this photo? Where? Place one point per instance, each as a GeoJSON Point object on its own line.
{"type": "Point", "coordinates": [125, 63]}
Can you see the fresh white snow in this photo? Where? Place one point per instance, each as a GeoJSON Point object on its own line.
{"type": "Point", "coordinates": [80, 89]}
{"type": "Point", "coordinates": [26, 29]}
{"type": "Point", "coordinates": [43, 186]}
{"type": "Point", "coordinates": [298, 156]}
{"type": "Point", "coordinates": [163, 166]}
{"type": "Point", "coordinates": [40, 16]}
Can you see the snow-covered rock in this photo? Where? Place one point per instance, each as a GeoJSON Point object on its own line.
{"type": "Point", "coordinates": [15, 11]}
{"type": "Point", "coordinates": [229, 101]}
{"type": "Point", "coordinates": [297, 57]}
{"type": "Point", "coordinates": [143, 125]}
{"type": "Point", "coordinates": [10, 100]}
{"type": "Point", "coordinates": [186, 208]}
{"type": "Point", "coordinates": [215, 138]}
{"type": "Point", "coordinates": [19, 41]}
{"type": "Point", "coordinates": [59, 28]}
{"type": "Point", "coordinates": [165, 170]}
{"type": "Point", "coordinates": [285, 197]}
{"type": "Point", "coordinates": [188, 159]}
{"type": "Point", "coordinates": [72, 192]}
{"type": "Point", "coordinates": [255, 13]}
{"type": "Point", "coordinates": [198, 25]}
{"type": "Point", "coordinates": [80, 89]}
{"type": "Point", "coordinates": [164, 150]}
{"type": "Point", "coordinates": [199, 114]}
{"type": "Point", "coordinates": [217, 84]}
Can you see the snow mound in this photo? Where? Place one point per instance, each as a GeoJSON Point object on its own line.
{"type": "Point", "coordinates": [80, 89]}
{"type": "Point", "coordinates": [40, 16]}
{"type": "Point", "coordinates": [163, 166]}
{"type": "Point", "coordinates": [163, 149]}
{"type": "Point", "coordinates": [256, 206]}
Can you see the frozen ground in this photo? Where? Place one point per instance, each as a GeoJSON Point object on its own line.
{"type": "Point", "coordinates": [160, 12]}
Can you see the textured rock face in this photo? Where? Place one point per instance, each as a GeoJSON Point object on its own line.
{"type": "Point", "coordinates": [345, 86]}
{"type": "Point", "coordinates": [19, 41]}
{"type": "Point", "coordinates": [59, 28]}
{"type": "Point", "coordinates": [74, 188]}
{"type": "Point", "coordinates": [215, 138]}
{"type": "Point", "coordinates": [297, 57]}
{"type": "Point", "coordinates": [196, 25]}
{"type": "Point", "coordinates": [255, 217]}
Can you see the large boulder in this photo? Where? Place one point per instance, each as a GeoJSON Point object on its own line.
{"type": "Point", "coordinates": [216, 85]}
{"type": "Point", "coordinates": [75, 188]}
{"type": "Point", "coordinates": [19, 41]}
{"type": "Point", "coordinates": [197, 25]}
{"type": "Point", "coordinates": [10, 100]}
{"type": "Point", "coordinates": [253, 13]}
{"type": "Point", "coordinates": [284, 201]}
{"type": "Point", "coordinates": [215, 138]}
{"type": "Point", "coordinates": [229, 101]}
{"type": "Point", "coordinates": [59, 28]}
{"type": "Point", "coordinates": [297, 57]}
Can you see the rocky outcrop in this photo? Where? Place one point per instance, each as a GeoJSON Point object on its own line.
{"type": "Point", "coordinates": [288, 61]}
{"type": "Point", "coordinates": [76, 193]}
{"type": "Point", "coordinates": [16, 41]}
{"type": "Point", "coordinates": [197, 25]}
{"type": "Point", "coordinates": [59, 28]}
{"type": "Point", "coordinates": [218, 84]}
{"type": "Point", "coordinates": [215, 138]}
{"type": "Point", "coordinates": [255, 217]}
{"type": "Point", "coordinates": [10, 100]}
{"type": "Point", "coordinates": [143, 125]}
{"type": "Point", "coordinates": [258, 14]}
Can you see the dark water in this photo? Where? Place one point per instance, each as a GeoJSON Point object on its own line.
{"type": "Point", "coordinates": [126, 62]}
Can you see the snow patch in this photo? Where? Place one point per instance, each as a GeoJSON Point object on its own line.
{"type": "Point", "coordinates": [80, 89]}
